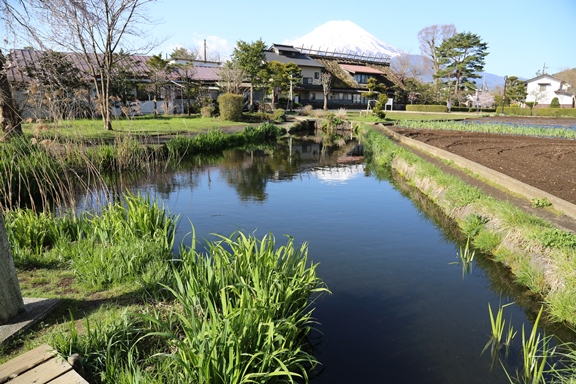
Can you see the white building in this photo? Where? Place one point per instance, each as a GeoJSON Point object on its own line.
{"type": "Point", "coordinates": [542, 89]}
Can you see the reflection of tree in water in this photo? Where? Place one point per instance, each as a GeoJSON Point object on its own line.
{"type": "Point", "coordinates": [249, 173]}
{"type": "Point", "coordinates": [247, 170]}
{"type": "Point", "coordinates": [165, 178]}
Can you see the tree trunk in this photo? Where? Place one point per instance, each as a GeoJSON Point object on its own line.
{"type": "Point", "coordinates": [10, 296]}
{"type": "Point", "coordinates": [10, 121]}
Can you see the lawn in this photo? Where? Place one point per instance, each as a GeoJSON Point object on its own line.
{"type": "Point", "coordinates": [141, 125]}
{"type": "Point", "coordinates": [173, 125]}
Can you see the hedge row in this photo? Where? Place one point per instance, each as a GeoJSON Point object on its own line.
{"type": "Point", "coordinates": [426, 108]}
{"type": "Point", "coordinates": [443, 108]}
{"type": "Point", "coordinates": [550, 112]}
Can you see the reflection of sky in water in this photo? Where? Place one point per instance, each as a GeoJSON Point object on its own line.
{"type": "Point", "coordinates": [338, 175]}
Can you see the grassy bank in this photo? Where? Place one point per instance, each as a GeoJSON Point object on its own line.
{"type": "Point", "coordinates": [140, 125]}
{"type": "Point", "coordinates": [538, 254]}
{"type": "Point", "coordinates": [233, 310]}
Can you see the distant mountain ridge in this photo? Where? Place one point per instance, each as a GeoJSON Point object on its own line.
{"type": "Point", "coordinates": [344, 36]}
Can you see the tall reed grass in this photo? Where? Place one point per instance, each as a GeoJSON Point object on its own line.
{"type": "Point", "coordinates": [216, 140]}
{"type": "Point", "coordinates": [238, 312]}
{"type": "Point", "coordinates": [128, 242]}
{"type": "Point", "coordinates": [242, 312]}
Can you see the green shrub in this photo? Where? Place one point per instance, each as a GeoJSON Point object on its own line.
{"type": "Point", "coordinates": [231, 106]}
{"type": "Point", "coordinates": [279, 114]}
{"type": "Point", "coordinates": [555, 112]}
{"type": "Point", "coordinates": [264, 131]}
{"type": "Point", "coordinates": [515, 111]}
{"type": "Point", "coordinates": [555, 103]}
{"type": "Point", "coordinates": [557, 238]}
{"type": "Point", "coordinates": [207, 110]}
{"type": "Point", "coordinates": [380, 105]}
{"type": "Point", "coordinates": [427, 108]}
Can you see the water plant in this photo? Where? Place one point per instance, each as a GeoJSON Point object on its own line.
{"type": "Point", "coordinates": [466, 256]}
{"type": "Point", "coordinates": [216, 140]}
{"type": "Point", "coordinates": [535, 353]}
{"type": "Point", "coordinates": [242, 312]}
{"type": "Point", "coordinates": [497, 326]}
{"type": "Point", "coordinates": [127, 242]}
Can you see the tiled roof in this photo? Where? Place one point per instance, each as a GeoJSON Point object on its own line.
{"type": "Point", "coordinates": [360, 69]}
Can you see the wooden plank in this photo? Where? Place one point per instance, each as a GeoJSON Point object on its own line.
{"type": "Point", "coordinates": [43, 373]}
{"type": "Point", "coordinates": [71, 377]}
{"type": "Point", "coordinates": [25, 362]}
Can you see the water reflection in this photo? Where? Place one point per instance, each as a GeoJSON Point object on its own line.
{"type": "Point", "coordinates": [399, 311]}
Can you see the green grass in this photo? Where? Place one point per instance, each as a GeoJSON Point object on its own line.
{"type": "Point", "coordinates": [396, 116]}
{"type": "Point", "coordinates": [238, 311]}
{"type": "Point", "coordinates": [510, 129]}
{"type": "Point", "coordinates": [140, 125]}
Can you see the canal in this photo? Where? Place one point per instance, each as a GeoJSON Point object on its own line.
{"type": "Point", "coordinates": [401, 310]}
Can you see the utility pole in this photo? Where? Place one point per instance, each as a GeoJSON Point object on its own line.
{"type": "Point", "coordinates": [504, 95]}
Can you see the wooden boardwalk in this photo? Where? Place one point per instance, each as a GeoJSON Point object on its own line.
{"type": "Point", "coordinates": [40, 365]}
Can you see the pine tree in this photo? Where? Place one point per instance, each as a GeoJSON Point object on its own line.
{"type": "Point", "coordinates": [462, 57]}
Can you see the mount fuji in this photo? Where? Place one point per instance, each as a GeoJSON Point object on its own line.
{"type": "Point", "coordinates": [344, 37]}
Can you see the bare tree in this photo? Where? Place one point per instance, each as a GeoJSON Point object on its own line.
{"type": "Point", "coordinates": [406, 68]}
{"type": "Point", "coordinates": [326, 79]}
{"type": "Point", "coordinates": [94, 29]}
{"type": "Point", "coordinates": [430, 38]}
{"type": "Point", "coordinates": [231, 77]}
{"type": "Point", "coordinates": [10, 121]}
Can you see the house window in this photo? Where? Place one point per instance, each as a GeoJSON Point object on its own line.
{"type": "Point", "coordinates": [307, 80]}
{"type": "Point", "coordinates": [312, 96]}
{"type": "Point", "coordinates": [316, 75]}
{"type": "Point", "coordinates": [542, 87]}
{"type": "Point", "coordinates": [362, 78]}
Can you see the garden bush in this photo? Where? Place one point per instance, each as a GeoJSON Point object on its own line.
{"type": "Point", "coordinates": [207, 110]}
{"type": "Point", "coordinates": [554, 112]}
{"type": "Point", "coordinates": [231, 106]}
{"type": "Point", "coordinates": [426, 108]}
{"type": "Point", "coordinates": [515, 111]}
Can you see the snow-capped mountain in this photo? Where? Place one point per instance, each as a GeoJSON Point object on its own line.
{"type": "Point", "coordinates": [344, 36]}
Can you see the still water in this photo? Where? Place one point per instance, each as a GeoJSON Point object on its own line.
{"type": "Point", "coordinates": [400, 311]}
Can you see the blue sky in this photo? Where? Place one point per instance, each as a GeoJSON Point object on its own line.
{"type": "Point", "coordinates": [522, 36]}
